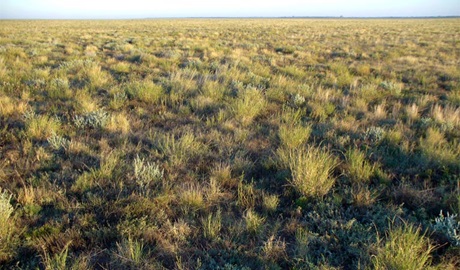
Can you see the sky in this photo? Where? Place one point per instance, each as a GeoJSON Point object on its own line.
{"type": "Point", "coordinates": [125, 9]}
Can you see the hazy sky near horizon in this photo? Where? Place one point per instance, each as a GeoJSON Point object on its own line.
{"type": "Point", "coordinates": [122, 9]}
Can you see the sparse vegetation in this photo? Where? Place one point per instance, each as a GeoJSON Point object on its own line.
{"type": "Point", "coordinates": [230, 144]}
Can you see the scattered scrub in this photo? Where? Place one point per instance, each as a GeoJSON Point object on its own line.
{"type": "Point", "coordinates": [207, 144]}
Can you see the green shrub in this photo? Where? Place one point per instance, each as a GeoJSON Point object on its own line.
{"type": "Point", "coordinates": [119, 99]}
{"type": "Point", "coordinates": [392, 87]}
{"type": "Point", "coordinates": [298, 100]}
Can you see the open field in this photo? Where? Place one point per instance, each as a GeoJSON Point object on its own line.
{"type": "Point", "coordinates": [230, 144]}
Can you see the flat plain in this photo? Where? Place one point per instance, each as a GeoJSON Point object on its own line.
{"type": "Point", "coordinates": [230, 144]}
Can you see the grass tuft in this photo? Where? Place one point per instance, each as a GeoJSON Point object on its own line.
{"type": "Point", "coordinates": [254, 222]}
{"type": "Point", "coordinates": [359, 169]}
{"type": "Point", "coordinates": [42, 127]}
{"type": "Point", "coordinates": [212, 225]}
{"type": "Point", "coordinates": [293, 136]}
{"type": "Point", "coordinates": [311, 170]}
{"type": "Point", "coordinates": [248, 105]}
{"type": "Point", "coordinates": [131, 252]}
{"type": "Point", "coordinates": [145, 91]}
{"type": "Point", "coordinates": [405, 247]}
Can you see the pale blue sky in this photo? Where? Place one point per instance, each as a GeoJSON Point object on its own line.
{"type": "Point", "coordinates": [107, 9]}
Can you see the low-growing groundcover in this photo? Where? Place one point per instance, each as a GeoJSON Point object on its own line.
{"type": "Point", "coordinates": [230, 144]}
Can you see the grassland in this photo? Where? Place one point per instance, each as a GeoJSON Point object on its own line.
{"type": "Point", "coordinates": [230, 144]}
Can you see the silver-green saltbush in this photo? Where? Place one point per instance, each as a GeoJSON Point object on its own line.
{"type": "Point", "coordinates": [57, 142]}
{"type": "Point", "coordinates": [95, 119]}
{"type": "Point", "coordinates": [6, 209]}
{"type": "Point", "coordinates": [374, 134]}
{"type": "Point", "coordinates": [449, 226]}
{"type": "Point", "coordinates": [146, 173]}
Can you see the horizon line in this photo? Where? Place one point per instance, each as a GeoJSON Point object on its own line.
{"type": "Point", "coordinates": [242, 17]}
